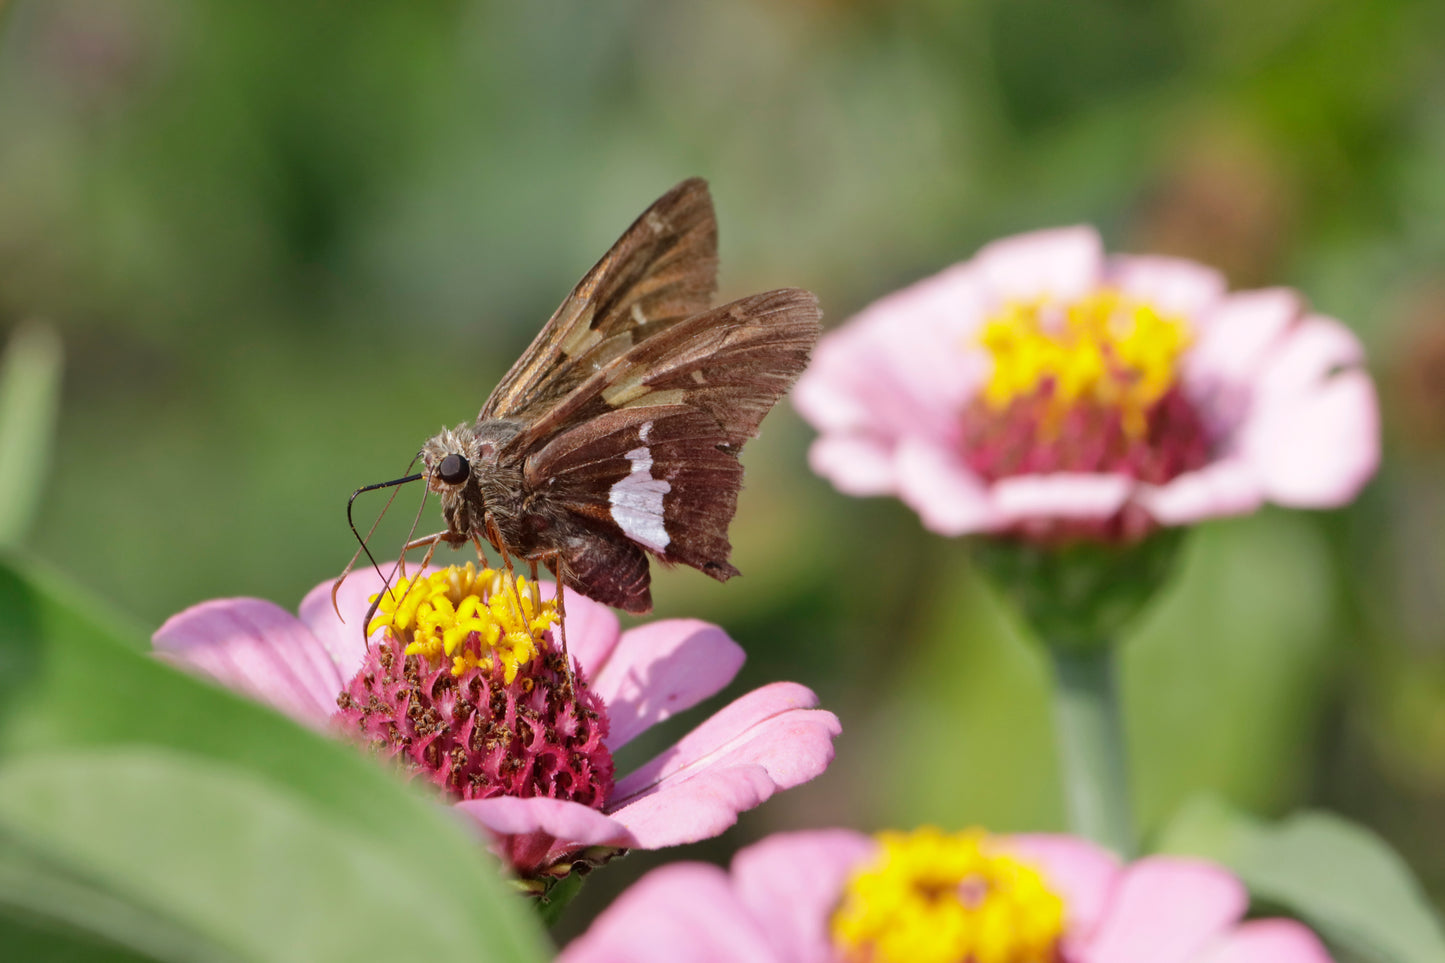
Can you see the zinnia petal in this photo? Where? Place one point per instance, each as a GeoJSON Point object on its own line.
{"type": "Point", "coordinates": [767, 740]}
{"type": "Point", "coordinates": [1174, 285]}
{"type": "Point", "coordinates": [682, 912]}
{"type": "Point", "coordinates": [1083, 873]}
{"type": "Point", "coordinates": [1236, 336]}
{"type": "Point", "coordinates": [592, 629]}
{"type": "Point", "coordinates": [1059, 262]}
{"type": "Point", "coordinates": [257, 648]}
{"type": "Point", "coordinates": [948, 497]}
{"type": "Point", "coordinates": [1166, 910]}
{"type": "Point", "coordinates": [855, 465]}
{"type": "Point", "coordinates": [1227, 487]}
{"type": "Point", "coordinates": [1268, 941]}
{"type": "Point", "coordinates": [1061, 495]}
{"type": "Point", "coordinates": [660, 669]}
{"type": "Point", "coordinates": [790, 884]}
{"type": "Point", "coordinates": [344, 642]}
{"type": "Point", "coordinates": [1315, 433]}
{"type": "Point", "coordinates": [531, 833]}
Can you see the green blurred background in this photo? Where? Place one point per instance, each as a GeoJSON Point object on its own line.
{"type": "Point", "coordinates": [284, 243]}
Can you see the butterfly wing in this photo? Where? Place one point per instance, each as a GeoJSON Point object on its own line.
{"type": "Point", "coordinates": [663, 269]}
{"type": "Point", "coordinates": [644, 453]}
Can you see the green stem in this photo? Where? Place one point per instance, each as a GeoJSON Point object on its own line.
{"type": "Point", "coordinates": [1091, 746]}
{"type": "Point", "coordinates": [552, 902]}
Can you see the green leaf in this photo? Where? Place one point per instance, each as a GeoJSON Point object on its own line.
{"type": "Point", "coordinates": [175, 820]}
{"type": "Point", "coordinates": [1337, 876]}
{"type": "Point", "coordinates": [29, 403]}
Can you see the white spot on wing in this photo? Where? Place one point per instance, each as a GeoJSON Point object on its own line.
{"type": "Point", "coordinates": [637, 500]}
{"type": "Point", "coordinates": [644, 431]}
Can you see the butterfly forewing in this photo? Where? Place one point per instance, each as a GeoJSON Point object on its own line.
{"type": "Point", "coordinates": [663, 269]}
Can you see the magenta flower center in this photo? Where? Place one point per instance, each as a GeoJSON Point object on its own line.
{"type": "Point", "coordinates": [1090, 386]}
{"type": "Point", "coordinates": [477, 719]}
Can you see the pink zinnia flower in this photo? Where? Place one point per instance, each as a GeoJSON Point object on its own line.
{"type": "Point", "coordinates": [836, 896]}
{"type": "Point", "coordinates": [463, 687]}
{"type": "Point", "coordinates": [1046, 389]}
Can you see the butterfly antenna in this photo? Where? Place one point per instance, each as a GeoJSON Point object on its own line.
{"type": "Point", "coordinates": [336, 586]}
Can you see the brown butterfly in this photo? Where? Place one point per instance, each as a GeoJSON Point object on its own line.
{"type": "Point", "coordinates": [616, 435]}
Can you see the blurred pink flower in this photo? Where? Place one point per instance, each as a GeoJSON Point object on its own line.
{"type": "Point", "coordinates": [1047, 389]}
{"type": "Point", "coordinates": [769, 739]}
{"type": "Point", "coordinates": [781, 903]}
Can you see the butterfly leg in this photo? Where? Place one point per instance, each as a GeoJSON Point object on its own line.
{"type": "Point", "coordinates": [494, 536]}
{"type": "Point", "coordinates": [554, 565]}
{"type": "Point", "coordinates": [536, 591]}
{"type": "Point", "coordinates": [481, 552]}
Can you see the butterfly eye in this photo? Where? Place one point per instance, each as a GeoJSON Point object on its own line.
{"type": "Point", "coordinates": [453, 469]}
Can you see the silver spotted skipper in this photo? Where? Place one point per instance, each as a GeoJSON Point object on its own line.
{"type": "Point", "coordinates": [616, 435]}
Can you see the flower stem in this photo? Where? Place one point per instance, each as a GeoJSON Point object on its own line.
{"type": "Point", "coordinates": [557, 895]}
{"type": "Point", "coordinates": [1091, 746]}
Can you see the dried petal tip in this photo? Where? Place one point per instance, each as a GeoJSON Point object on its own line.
{"type": "Point", "coordinates": [466, 688]}
{"type": "Point", "coordinates": [939, 898]}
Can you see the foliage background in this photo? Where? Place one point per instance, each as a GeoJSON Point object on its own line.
{"type": "Point", "coordinates": [284, 243]}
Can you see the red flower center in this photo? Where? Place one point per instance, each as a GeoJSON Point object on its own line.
{"type": "Point", "coordinates": [1031, 436]}
{"type": "Point", "coordinates": [474, 724]}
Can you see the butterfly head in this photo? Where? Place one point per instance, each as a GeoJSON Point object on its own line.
{"type": "Point", "coordinates": [448, 458]}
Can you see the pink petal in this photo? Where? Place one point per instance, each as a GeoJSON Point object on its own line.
{"type": "Point", "coordinates": [855, 464]}
{"type": "Point", "coordinates": [258, 648]}
{"type": "Point", "coordinates": [1173, 285]}
{"type": "Point", "coordinates": [344, 642]}
{"type": "Point", "coordinates": [1314, 432]}
{"type": "Point", "coordinates": [592, 630]}
{"type": "Point", "coordinates": [901, 367]}
{"type": "Point", "coordinates": [682, 912]}
{"type": "Point", "coordinates": [1230, 486]}
{"type": "Point", "coordinates": [1166, 910]}
{"type": "Point", "coordinates": [1235, 338]}
{"type": "Point", "coordinates": [660, 669]}
{"type": "Point", "coordinates": [948, 497]}
{"type": "Point", "coordinates": [1312, 350]}
{"type": "Point", "coordinates": [791, 884]}
{"type": "Point", "coordinates": [1320, 454]}
{"type": "Point", "coordinates": [535, 832]}
{"type": "Point", "coordinates": [767, 740]}
{"type": "Point", "coordinates": [1083, 873]}
{"type": "Point", "coordinates": [1061, 263]}
{"type": "Point", "coordinates": [1061, 495]}
{"type": "Point", "coordinates": [1268, 941]}
{"type": "Point", "coordinates": [922, 337]}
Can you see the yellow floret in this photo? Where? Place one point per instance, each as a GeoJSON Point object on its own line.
{"type": "Point", "coordinates": [474, 618]}
{"type": "Point", "coordinates": [933, 897]}
{"type": "Point", "coordinates": [1105, 349]}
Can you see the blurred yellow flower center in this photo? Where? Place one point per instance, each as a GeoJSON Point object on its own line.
{"type": "Point", "coordinates": [935, 897]}
{"type": "Point", "coordinates": [475, 619]}
{"type": "Point", "coordinates": [1106, 350]}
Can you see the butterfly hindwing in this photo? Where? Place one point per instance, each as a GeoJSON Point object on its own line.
{"type": "Point", "coordinates": [649, 450]}
{"type": "Point", "coordinates": [653, 479]}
